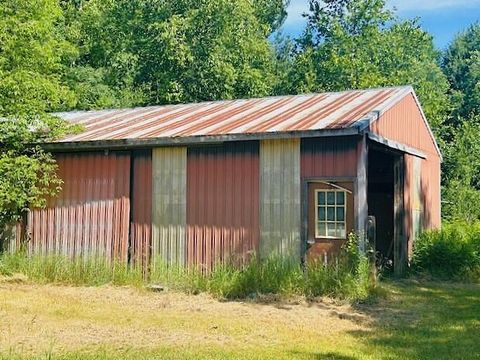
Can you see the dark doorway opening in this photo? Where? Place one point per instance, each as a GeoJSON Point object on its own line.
{"type": "Point", "coordinates": [381, 203]}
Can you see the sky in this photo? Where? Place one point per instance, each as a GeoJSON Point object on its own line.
{"type": "Point", "coordinates": [442, 18]}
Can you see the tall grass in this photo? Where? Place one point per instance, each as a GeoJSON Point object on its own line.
{"type": "Point", "coordinates": [62, 270]}
{"type": "Point", "coordinates": [346, 277]}
{"type": "Point", "coordinates": [450, 253]}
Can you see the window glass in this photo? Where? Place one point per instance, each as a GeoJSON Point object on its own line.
{"type": "Point", "coordinates": [321, 213]}
{"type": "Point", "coordinates": [340, 213]}
{"type": "Point", "coordinates": [330, 198]}
{"type": "Point", "coordinates": [340, 198]}
{"type": "Point", "coordinates": [321, 198]}
{"type": "Point", "coordinates": [331, 214]}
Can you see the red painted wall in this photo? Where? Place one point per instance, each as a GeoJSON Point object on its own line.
{"type": "Point", "coordinates": [141, 216]}
{"type": "Point", "coordinates": [222, 202]}
{"type": "Point", "coordinates": [90, 216]}
{"type": "Point", "coordinates": [328, 157]}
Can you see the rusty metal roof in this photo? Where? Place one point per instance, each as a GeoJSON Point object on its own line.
{"type": "Point", "coordinates": [280, 114]}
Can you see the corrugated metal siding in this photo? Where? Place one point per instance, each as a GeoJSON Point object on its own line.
{"type": "Point", "coordinates": [169, 204]}
{"type": "Point", "coordinates": [280, 224]}
{"type": "Point", "coordinates": [90, 217]}
{"type": "Point", "coordinates": [11, 238]}
{"type": "Point", "coordinates": [222, 203]}
{"type": "Point", "coordinates": [251, 116]}
{"type": "Point", "coordinates": [404, 123]}
{"type": "Point", "coordinates": [329, 157]}
{"type": "Point", "coordinates": [431, 192]}
{"type": "Point", "coordinates": [141, 215]}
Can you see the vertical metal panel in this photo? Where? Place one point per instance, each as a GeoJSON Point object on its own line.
{"type": "Point", "coordinates": [417, 198]}
{"type": "Point", "coordinates": [90, 216]}
{"type": "Point", "coordinates": [169, 204]}
{"type": "Point", "coordinates": [280, 197]}
{"type": "Point", "coordinates": [141, 214]}
{"type": "Point", "coordinates": [430, 192]}
{"type": "Point", "coordinates": [329, 157]}
{"type": "Point", "coordinates": [361, 193]}
{"type": "Point", "coordinates": [223, 203]}
{"type": "Point", "coordinates": [11, 237]}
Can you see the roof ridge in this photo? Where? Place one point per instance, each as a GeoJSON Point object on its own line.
{"type": "Point", "coordinates": [206, 102]}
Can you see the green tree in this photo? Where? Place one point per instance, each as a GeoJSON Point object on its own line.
{"type": "Point", "coordinates": [150, 52]}
{"type": "Point", "coordinates": [361, 44]}
{"type": "Point", "coordinates": [31, 57]}
{"type": "Point", "coordinates": [462, 173]}
{"type": "Point", "coordinates": [461, 64]}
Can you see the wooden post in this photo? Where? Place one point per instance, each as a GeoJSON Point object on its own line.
{"type": "Point", "coordinates": [399, 239]}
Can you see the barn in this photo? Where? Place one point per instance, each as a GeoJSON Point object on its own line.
{"type": "Point", "coordinates": [196, 184]}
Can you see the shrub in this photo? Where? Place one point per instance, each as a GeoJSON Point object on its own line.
{"type": "Point", "coordinates": [450, 253]}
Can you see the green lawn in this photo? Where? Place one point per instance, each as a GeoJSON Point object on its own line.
{"type": "Point", "coordinates": [414, 321]}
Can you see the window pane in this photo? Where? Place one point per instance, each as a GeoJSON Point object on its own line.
{"type": "Point", "coordinates": [321, 198]}
{"type": "Point", "coordinates": [331, 230]}
{"type": "Point", "coordinates": [321, 229]}
{"type": "Point", "coordinates": [340, 213]}
{"type": "Point", "coordinates": [331, 198]}
{"type": "Point", "coordinates": [340, 198]}
{"type": "Point", "coordinates": [341, 231]}
{"type": "Point", "coordinates": [321, 213]}
{"type": "Point", "coordinates": [331, 213]}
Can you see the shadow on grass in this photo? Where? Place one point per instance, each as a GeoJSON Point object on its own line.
{"type": "Point", "coordinates": [425, 321]}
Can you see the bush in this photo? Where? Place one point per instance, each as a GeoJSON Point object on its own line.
{"type": "Point", "coordinates": [450, 253]}
{"type": "Point", "coordinates": [347, 277]}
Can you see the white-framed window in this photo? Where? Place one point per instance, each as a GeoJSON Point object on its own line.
{"type": "Point", "coordinates": [330, 214]}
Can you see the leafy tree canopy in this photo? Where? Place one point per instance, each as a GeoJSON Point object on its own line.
{"type": "Point", "coordinates": [461, 64]}
{"type": "Point", "coordinates": [151, 52]}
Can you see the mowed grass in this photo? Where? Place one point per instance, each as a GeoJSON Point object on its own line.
{"type": "Point", "coordinates": [414, 320]}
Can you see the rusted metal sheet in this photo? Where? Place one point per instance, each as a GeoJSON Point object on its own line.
{"type": "Point", "coordinates": [222, 203]}
{"type": "Point", "coordinates": [141, 205]}
{"type": "Point", "coordinates": [253, 116]}
{"type": "Point", "coordinates": [329, 157]}
{"type": "Point", "coordinates": [90, 217]}
{"type": "Point", "coordinates": [169, 205]}
{"type": "Point", "coordinates": [280, 223]}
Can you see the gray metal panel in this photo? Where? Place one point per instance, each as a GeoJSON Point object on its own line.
{"type": "Point", "coordinates": [280, 223]}
{"type": "Point", "coordinates": [169, 169]}
{"type": "Point", "coordinates": [361, 203]}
